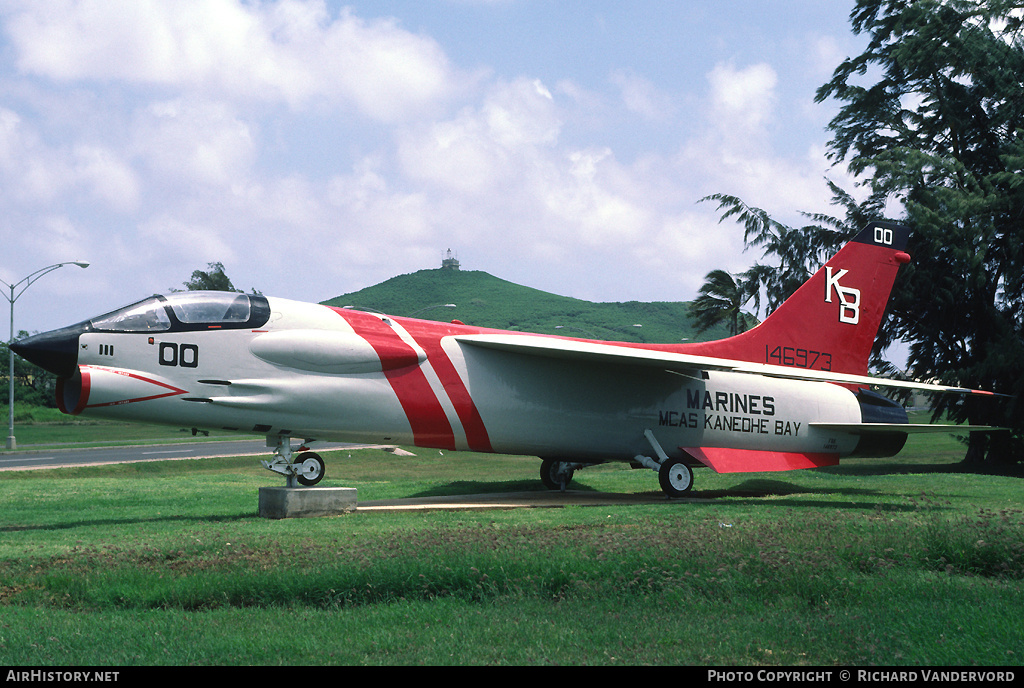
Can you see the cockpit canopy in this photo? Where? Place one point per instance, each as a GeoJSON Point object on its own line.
{"type": "Point", "coordinates": [187, 311]}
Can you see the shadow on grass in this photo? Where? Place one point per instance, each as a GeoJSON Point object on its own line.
{"type": "Point", "coordinates": [766, 487]}
{"type": "Point", "coordinates": [468, 487]}
{"type": "Point", "coordinates": [875, 468]}
{"type": "Point", "coordinates": [758, 491]}
{"type": "Point", "coordinates": [223, 518]}
{"type": "Point", "coordinates": [754, 491]}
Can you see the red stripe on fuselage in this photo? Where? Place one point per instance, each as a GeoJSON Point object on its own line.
{"type": "Point", "coordinates": [429, 422]}
{"type": "Point", "coordinates": [473, 424]}
{"type": "Point", "coordinates": [87, 383]}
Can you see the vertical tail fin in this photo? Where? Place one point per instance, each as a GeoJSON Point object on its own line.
{"type": "Point", "coordinates": [831, 321]}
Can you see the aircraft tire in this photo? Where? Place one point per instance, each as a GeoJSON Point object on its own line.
{"type": "Point", "coordinates": [552, 474]}
{"type": "Point", "coordinates": [311, 469]}
{"type": "Point", "coordinates": [676, 478]}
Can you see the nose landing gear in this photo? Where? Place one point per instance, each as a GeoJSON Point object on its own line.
{"type": "Point", "coordinates": [307, 469]}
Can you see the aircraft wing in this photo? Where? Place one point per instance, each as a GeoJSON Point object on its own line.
{"type": "Point", "coordinates": [685, 364]}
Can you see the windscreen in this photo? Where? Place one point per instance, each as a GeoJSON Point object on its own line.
{"type": "Point", "coordinates": [187, 311]}
{"type": "Point", "coordinates": [144, 316]}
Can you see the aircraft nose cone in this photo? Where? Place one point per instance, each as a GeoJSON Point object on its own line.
{"type": "Point", "coordinates": [55, 351]}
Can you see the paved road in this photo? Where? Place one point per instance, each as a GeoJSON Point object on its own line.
{"type": "Point", "coordinates": [50, 458]}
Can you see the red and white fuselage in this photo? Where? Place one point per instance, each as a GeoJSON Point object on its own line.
{"type": "Point", "coordinates": [334, 374]}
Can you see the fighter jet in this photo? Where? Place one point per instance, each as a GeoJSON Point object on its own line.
{"type": "Point", "coordinates": [793, 392]}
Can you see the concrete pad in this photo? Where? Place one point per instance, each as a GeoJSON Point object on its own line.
{"type": "Point", "coordinates": [301, 502]}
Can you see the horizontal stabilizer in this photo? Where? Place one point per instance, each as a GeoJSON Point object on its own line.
{"type": "Point", "coordinates": [909, 428]}
{"type": "Point", "coordinates": [723, 460]}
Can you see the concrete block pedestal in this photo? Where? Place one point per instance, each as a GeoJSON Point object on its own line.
{"type": "Point", "coordinates": [299, 502]}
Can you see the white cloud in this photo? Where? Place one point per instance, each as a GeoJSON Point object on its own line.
{"type": "Point", "coordinates": [458, 154]}
{"type": "Point", "coordinates": [641, 97]}
{"type": "Point", "coordinates": [825, 54]}
{"type": "Point", "coordinates": [687, 245]}
{"type": "Point", "coordinates": [58, 238]}
{"type": "Point", "coordinates": [522, 114]}
{"type": "Point", "coordinates": [166, 237]}
{"type": "Point", "coordinates": [31, 172]}
{"type": "Point", "coordinates": [483, 147]}
{"type": "Point", "coordinates": [194, 142]}
{"type": "Point", "coordinates": [289, 51]}
{"type": "Point", "coordinates": [738, 150]}
{"type": "Point", "coordinates": [595, 199]}
{"type": "Point", "coordinates": [107, 177]}
{"type": "Point", "coordinates": [9, 125]}
{"type": "Point", "coordinates": [742, 100]}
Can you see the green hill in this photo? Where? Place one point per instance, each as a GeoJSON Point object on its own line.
{"type": "Point", "coordinates": [487, 301]}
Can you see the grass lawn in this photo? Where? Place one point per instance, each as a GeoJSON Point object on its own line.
{"type": "Point", "coordinates": [905, 561]}
{"type": "Point", "coordinates": [54, 429]}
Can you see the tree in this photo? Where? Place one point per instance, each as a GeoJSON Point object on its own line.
{"type": "Point", "coordinates": [721, 300]}
{"type": "Point", "coordinates": [213, 279]}
{"type": "Point", "coordinates": [32, 384]}
{"type": "Point", "coordinates": [941, 130]}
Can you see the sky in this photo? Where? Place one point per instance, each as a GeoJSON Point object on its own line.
{"type": "Point", "coordinates": [316, 148]}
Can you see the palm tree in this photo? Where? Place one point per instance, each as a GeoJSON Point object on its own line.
{"type": "Point", "coordinates": [796, 252]}
{"type": "Point", "coordinates": [721, 301]}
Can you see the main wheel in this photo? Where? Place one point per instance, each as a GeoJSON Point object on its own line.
{"type": "Point", "coordinates": [676, 477]}
{"type": "Point", "coordinates": [311, 469]}
{"type": "Point", "coordinates": [556, 475]}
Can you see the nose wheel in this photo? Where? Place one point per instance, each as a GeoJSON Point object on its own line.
{"type": "Point", "coordinates": [306, 469]}
{"type": "Point", "coordinates": [310, 468]}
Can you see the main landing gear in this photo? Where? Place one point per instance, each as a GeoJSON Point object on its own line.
{"type": "Point", "coordinates": [306, 469]}
{"type": "Point", "coordinates": [676, 477]}
{"type": "Point", "coordinates": [674, 474]}
{"type": "Point", "coordinates": [556, 475]}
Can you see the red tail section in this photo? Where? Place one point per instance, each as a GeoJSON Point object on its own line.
{"type": "Point", "coordinates": [830, 322]}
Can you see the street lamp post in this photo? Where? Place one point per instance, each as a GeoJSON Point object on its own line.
{"type": "Point", "coordinates": [17, 289]}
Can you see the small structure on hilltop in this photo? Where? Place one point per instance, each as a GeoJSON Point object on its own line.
{"type": "Point", "coordinates": [450, 263]}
